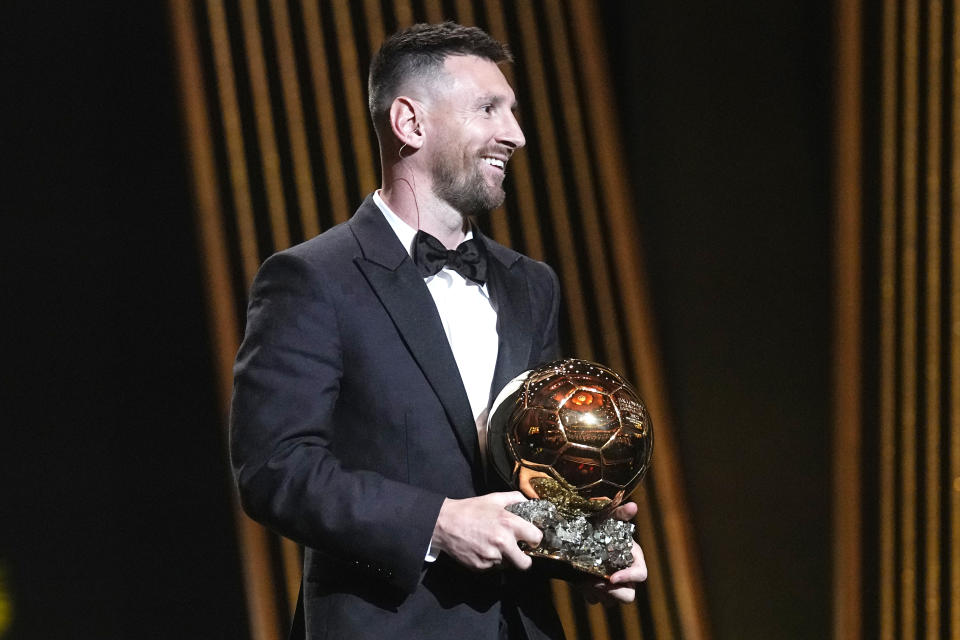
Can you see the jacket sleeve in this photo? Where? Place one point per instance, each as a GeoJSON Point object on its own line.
{"type": "Point", "coordinates": [286, 384]}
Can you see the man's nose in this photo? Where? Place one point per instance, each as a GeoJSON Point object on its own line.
{"type": "Point", "coordinates": [512, 135]}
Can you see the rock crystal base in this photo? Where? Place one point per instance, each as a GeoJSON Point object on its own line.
{"type": "Point", "coordinates": [600, 549]}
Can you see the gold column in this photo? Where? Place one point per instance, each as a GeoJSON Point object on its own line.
{"type": "Point", "coordinates": [907, 416]}
{"type": "Point", "coordinates": [333, 164]}
{"type": "Point", "coordinates": [888, 322]}
{"type": "Point", "coordinates": [847, 605]}
{"type": "Point", "coordinates": [354, 92]}
{"type": "Point", "coordinates": [932, 381]}
{"type": "Point", "coordinates": [233, 135]}
{"type": "Point", "coordinates": [223, 323]}
{"type": "Point", "coordinates": [297, 132]}
{"type": "Point", "coordinates": [266, 132]}
{"type": "Point", "coordinates": [953, 426]}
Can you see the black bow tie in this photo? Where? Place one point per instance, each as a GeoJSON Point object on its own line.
{"type": "Point", "coordinates": [469, 259]}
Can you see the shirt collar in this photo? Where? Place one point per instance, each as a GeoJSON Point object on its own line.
{"type": "Point", "coordinates": [405, 233]}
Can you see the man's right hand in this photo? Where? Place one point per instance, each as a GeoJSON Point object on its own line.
{"type": "Point", "coordinates": [480, 533]}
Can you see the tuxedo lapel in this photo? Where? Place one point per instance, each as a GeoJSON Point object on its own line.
{"type": "Point", "coordinates": [508, 292]}
{"type": "Point", "coordinates": [398, 284]}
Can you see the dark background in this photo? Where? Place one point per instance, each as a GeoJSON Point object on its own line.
{"type": "Point", "coordinates": [115, 519]}
{"type": "Point", "coordinates": [725, 111]}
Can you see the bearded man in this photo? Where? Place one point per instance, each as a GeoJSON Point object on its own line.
{"type": "Point", "coordinates": [371, 357]}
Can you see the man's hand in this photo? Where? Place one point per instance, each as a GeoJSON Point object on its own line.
{"type": "Point", "coordinates": [480, 534]}
{"type": "Point", "coordinates": [622, 586]}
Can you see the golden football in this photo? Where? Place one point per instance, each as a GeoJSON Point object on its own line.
{"type": "Point", "coordinates": [572, 423]}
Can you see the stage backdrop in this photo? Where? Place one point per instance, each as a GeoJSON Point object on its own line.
{"type": "Point", "coordinates": [897, 322]}
{"type": "Point", "coordinates": [281, 148]}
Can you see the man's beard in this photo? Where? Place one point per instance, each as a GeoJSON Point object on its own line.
{"type": "Point", "coordinates": [466, 191]}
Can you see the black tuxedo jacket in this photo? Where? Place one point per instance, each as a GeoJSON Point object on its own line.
{"type": "Point", "coordinates": [350, 425]}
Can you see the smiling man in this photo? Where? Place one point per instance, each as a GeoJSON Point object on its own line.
{"type": "Point", "coordinates": [371, 357]}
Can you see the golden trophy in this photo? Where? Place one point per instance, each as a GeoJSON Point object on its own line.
{"type": "Point", "coordinates": [575, 438]}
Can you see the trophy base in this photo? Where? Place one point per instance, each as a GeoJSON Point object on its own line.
{"type": "Point", "coordinates": [555, 566]}
{"type": "Point", "coordinates": [574, 546]}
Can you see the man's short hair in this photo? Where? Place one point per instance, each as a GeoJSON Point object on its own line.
{"type": "Point", "coordinates": [419, 51]}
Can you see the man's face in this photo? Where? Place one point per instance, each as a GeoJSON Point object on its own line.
{"type": "Point", "coordinates": [475, 134]}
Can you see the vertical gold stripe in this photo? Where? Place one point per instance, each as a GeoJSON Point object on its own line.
{"type": "Point", "coordinates": [932, 378]}
{"type": "Point", "coordinates": [266, 134]}
{"type": "Point", "coordinates": [888, 323]}
{"type": "Point", "coordinates": [464, 10]}
{"type": "Point", "coordinates": [297, 130]}
{"type": "Point", "coordinates": [953, 101]}
{"type": "Point", "coordinates": [690, 603]}
{"type": "Point", "coordinates": [223, 324]}
{"type": "Point", "coordinates": [954, 214]}
{"type": "Point", "coordinates": [375, 30]}
{"type": "Point", "coordinates": [597, 618]}
{"type": "Point", "coordinates": [499, 227]}
{"type": "Point", "coordinates": [586, 191]}
{"type": "Point", "coordinates": [322, 92]}
{"type": "Point", "coordinates": [354, 94]}
{"type": "Point", "coordinates": [562, 600]}
{"type": "Point", "coordinates": [519, 164]}
{"type": "Point", "coordinates": [657, 586]}
{"type": "Point", "coordinates": [434, 9]}
{"type": "Point", "coordinates": [233, 134]}
{"type": "Point", "coordinates": [259, 580]}
{"type": "Point", "coordinates": [847, 338]}
{"type": "Point", "coordinates": [404, 13]}
{"type": "Point", "coordinates": [213, 244]}
{"type": "Point", "coordinates": [908, 343]}
{"type": "Point", "coordinates": [630, 616]}
{"type": "Point", "coordinates": [292, 569]}
{"type": "Point", "coordinates": [563, 233]}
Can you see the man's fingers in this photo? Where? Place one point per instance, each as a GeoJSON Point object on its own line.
{"type": "Point", "coordinates": [605, 593]}
{"type": "Point", "coordinates": [522, 529]}
{"type": "Point", "coordinates": [630, 575]}
{"type": "Point", "coordinates": [506, 498]}
{"type": "Point", "coordinates": [636, 572]}
{"type": "Point", "coordinates": [625, 512]}
{"type": "Point", "coordinates": [624, 595]}
{"type": "Point", "coordinates": [516, 557]}
{"type": "Point", "coordinates": [527, 532]}
{"type": "Point", "coordinates": [480, 533]}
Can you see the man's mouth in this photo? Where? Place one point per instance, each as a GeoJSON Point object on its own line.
{"type": "Point", "coordinates": [499, 163]}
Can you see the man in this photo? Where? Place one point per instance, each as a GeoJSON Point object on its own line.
{"type": "Point", "coordinates": [371, 356]}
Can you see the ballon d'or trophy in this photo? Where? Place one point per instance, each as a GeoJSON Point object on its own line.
{"type": "Point", "coordinates": [575, 439]}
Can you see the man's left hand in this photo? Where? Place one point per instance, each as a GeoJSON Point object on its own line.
{"type": "Point", "coordinates": [621, 588]}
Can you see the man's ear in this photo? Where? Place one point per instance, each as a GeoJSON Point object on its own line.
{"type": "Point", "coordinates": [406, 121]}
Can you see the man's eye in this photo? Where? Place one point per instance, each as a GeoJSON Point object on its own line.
{"type": "Point", "coordinates": [487, 108]}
